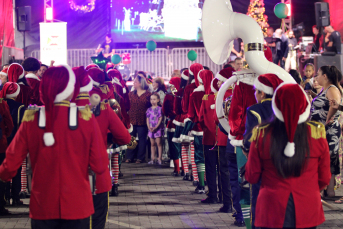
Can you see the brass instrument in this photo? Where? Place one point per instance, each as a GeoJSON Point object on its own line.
{"type": "Point", "coordinates": [115, 106]}
{"type": "Point", "coordinates": [226, 106]}
{"type": "Point", "coordinates": [133, 143]}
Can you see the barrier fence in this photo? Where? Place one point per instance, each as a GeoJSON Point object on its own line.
{"type": "Point", "coordinates": [160, 62]}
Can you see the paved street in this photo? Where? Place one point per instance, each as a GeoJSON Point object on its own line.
{"type": "Point", "coordinates": [151, 198]}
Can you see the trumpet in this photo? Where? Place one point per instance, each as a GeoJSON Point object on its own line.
{"type": "Point", "coordinates": [133, 143]}
{"type": "Point", "coordinates": [173, 90]}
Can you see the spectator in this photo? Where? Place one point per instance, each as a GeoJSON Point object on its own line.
{"type": "Point", "coordinates": [332, 40]}
{"type": "Point", "coordinates": [318, 39]}
{"type": "Point", "coordinates": [160, 88]}
{"type": "Point", "coordinates": [281, 48]}
{"type": "Point", "coordinates": [140, 102]}
{"type": "Point", "coordinates": [291, 157]}
{"type": "Point", "coordinates": [308, 79]}
{"type": "Point", "coordinates": [5, 66]}
{"type": "Point", "coordinates": [236, 49]}
{"type": "Point", "coordinates": [296, 76]}
{"type": "Point", "coordinates": [238, 64]}
{"type": "Point", "coordinates": [3, 78]}
{"type": "Point", "coordinates": [323, 113]}
{"type": "Point", "coordinates": [42, 69]}
{"type": "Point", "coordinates": [154, 118]}
{"type": "Point", "coordinates": [271, 41]}
{"type": "Point", "coordinates": [291, 60]}
{"type": "Point", "coordinates": [176, 73]}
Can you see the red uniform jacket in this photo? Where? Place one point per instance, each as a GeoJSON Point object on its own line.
{"type": "Point", "coordinates": [243, 97]}
{"type": "Point", "coordinates": [186, 95]}
{"type": "Point", "coordinates": [207, 121]}
{"type": "Point", "coordinates": [194, 109]}
{"type": "Point", "coordinates": [222, 137]}
{"type": "Point", "coordinates": [60, 185]}
{"type": "Point", "coordinates": [168, 111]}
{"type": "Point", "coordinates": [275, 190]}
{"type": "Point", "coordinates": [108, 120]}
{"type": "Point", "coordinates": [24, 94]}
{"type": "Point", "coordinates": [34, 83]}
{"type": "Point", "coordinates": [6, 124]}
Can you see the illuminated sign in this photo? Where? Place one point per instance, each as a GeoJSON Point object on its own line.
{"type": "Point", "coordinates": [53, 42]}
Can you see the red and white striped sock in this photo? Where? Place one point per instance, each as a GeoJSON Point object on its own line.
{"type": "Point", "coordinates": [194, 166]}
{"type": "Point", "coordinates": [184, 156]}
{"type": "Point", "coordinates": [23, 177]}
{"type": "Point", "coordinates": [115, 167]}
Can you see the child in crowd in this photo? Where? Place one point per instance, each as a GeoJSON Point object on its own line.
{"type": "Point", "coordinates": [159, 87]}
{"type": "Point", "coordinates": [155, 125]}
{"type": "Point", "coordinates": [307, 80]}
{"type": "Point", "coordinates": [296, 76]}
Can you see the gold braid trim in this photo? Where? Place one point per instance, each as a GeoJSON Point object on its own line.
{"type": "Point", "coordinates": [104, 88]}
{"type": "Point", "coordinates": [317, 130]}
{"type": "Point", "coordinates": [85, 113]}
{"type": "Point", "coordinates": [1, 100]}
{"type": "Point", "coordinates": [257, 132]}
{"type": "Point", "coordinates": [103, 105]}
{"type": "Point", "coordinates": [205, 97]}
{"type": "Point", "coordinates": [29, 115]}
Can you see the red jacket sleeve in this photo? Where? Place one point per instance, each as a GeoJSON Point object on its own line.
{"type": "Point", "coordinates": [253, 167]}
{"type": "Point", "coordinates": [177, 104]}
{"type": "Point", "coordinates": [7, 119]}
{"type": "Point", "coordinates": [120, 134]}
{"type": "Point", "coordinates": [98, 158]}
{"type": "Point", "coordinates": [167, 107]}
{"type": "Point", "coordinates": [185, 100]}
{"type": "Point", "coordinates": [15, 154]}
{"type": "Point", "coordinates": [324, 173]}
{"type": "Point", "coordinates": [191, 114]}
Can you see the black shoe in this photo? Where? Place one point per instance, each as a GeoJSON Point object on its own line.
{"type": "Point", "coordinates": [186, 177]}
{"type": "Point", "coordinates": [209, 200]}
{"type": "Point", "coordinates": [22, 195]}
{"type": "Point", "coordinates": [195, 183]}
{"type": "Point", "coordinates": [182, 173]}
{"type": "Point", "coordinates": [200, 189]}
{"type": "Point", "coordinates": [239, 223]}
{"type": "Point", "coordinates": [115, 190]}
{"type": "Point", "coordinates": [175, 174]}
{"type": "Point", "coordinates": [191, 178]}
{"type": "Point", "coordinates": [4, 211]}
{"type": "Point", "coordinates": [17, 202]}
{"type": "Point", "coordinates": [121, 174]}
{"type": "Point", "coordinates": [220, 200]}
{"type": "Point", "coordinates": [226, 209]}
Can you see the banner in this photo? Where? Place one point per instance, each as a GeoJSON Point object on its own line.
{"type": "Point", "coordinates": [53, 43]}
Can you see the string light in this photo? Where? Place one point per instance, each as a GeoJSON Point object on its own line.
{"type": "Point", "coordinates": [82, 8]}
{"type": "Point", "coordinates": [256, 10]}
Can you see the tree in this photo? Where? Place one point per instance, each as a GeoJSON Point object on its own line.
{"type": "Point", "coordinates": [256, 10]}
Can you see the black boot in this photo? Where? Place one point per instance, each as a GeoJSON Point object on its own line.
{"type": "Point", "coordinates": [191, 178]}
{"type": "Point", "coordinates": [17, 202]}
{"type": "Point", "coordinates": [239, 223]}
{"type": "Point", "coordinates": [115, 190]}
{"type": "Point", "coordinates": [209, 200]}
{"type": "Point", "coordinates": [186, 177]}
{"type": "Point", "coordinates": [195, 183]}
{"type": "Point", "coordinates": [182, 173]}
{"type": "Point", "coordinates": [200, 189]}
{"type": "Point", "coordinates": [226, 209]}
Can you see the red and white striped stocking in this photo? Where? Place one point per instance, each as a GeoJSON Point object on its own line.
{"type": "Point", "coordinates": [115, 167]}
{"type": "Point", "coordinates": [23, 177]}
{"type": "Point", "coordinates": [184, 156]}
{"type": "Point", "coordinates": [194, 166]}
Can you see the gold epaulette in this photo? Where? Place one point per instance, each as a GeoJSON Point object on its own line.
{"type": "Point", "coordinates": [205, 97]}
{"type": "Point", "coordinates": [103, 105]}
{"type": "Point", "coordinates": [85, 113]}
{"type": "Point", "coordinates": [317, 130]}
{"type": "Point", "coordinates": [1, 100]}
{"type": "Point", "coordinates": [257, 132]}
{"type": "Point", "coordinates": [29, 114]}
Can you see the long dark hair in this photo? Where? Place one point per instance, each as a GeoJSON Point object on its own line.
{"type": "Point", "coordinates": [191, 77]}
{"type": "Point", "coordinates": [161, 85]}
{"type": "Point", "coordinates": [334, 75]}
{"type": "Point", "coordinates": [288, 166]}
{"type": "Point", "coordinates": [184, 82]}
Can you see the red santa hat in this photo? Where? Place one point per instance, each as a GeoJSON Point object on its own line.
{"type": "Point", "coordinates": [185, 74]}
{"type": "Point", "coordinates": [109, 66]}
{"type": "Point", "coordinates": [267, 83]}
{"type": "Point", "coordinates": [83, 79]}
{"type": "Point", "coordinates": [10, 90]}
{"type": "Point", "coordinates": [91, 66]}
{"type": "Point", "coordinates": [207, 77]}
{"type": "Point", "coordinates": [175, 81]}
{"type": "Point", "coordinates": [199, 77]}
{"type": "Point", "coordinates": [97, 75]}
{"type": "Point", "coordinates": [225, 74]}
{"type": "Point", "coordinates": [194, 69]}
{"type": "Point", "coordinates": [291, 106]}
{"type": "Point", "coordinates": [4, 72]}
{"type": "Point", "coordinates": [268, 53]}
{"type": "Point", "coordinates": [15, 72]}
{"type": "Point", "coordinates": [57, 85]}
{"type": "Point", "coordinates": [214, 85]}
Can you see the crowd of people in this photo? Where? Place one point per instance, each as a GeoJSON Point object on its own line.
{"type": "Point", "coordinates": [283, 142]}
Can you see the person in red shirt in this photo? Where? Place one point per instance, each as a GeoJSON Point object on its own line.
{"type": "Point", "coordinates": [16, 74]}
{"type": "Point", "coordinates": [31, 66]}
{"type": "Point", "coordinates": [291, 157]}
{"type": "Point", "coordinates": [63, 147]}
{"type": "Point", "coordinates": [6, 127]}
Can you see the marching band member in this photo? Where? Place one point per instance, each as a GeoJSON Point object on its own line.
{"type": "Point", "coordinates": [260, 113]}
{"type": "Point", "coordinates": [63, 147]}
{"type": "Point", "coordinates": [31, 66]}
{"type": "Point", "coordinates": [195, 101]}
{"type": "Point", "coordinates": [16, 74]}
{"type": "Point", "coordinates": [10, 92]}
{"type": "Point", "coordinates": [169, 112]}
{"type": "Point", "coordinates": [6, 127]}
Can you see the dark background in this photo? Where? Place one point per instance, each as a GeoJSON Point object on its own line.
{"type": "Point", "coordinates": [88, 30]}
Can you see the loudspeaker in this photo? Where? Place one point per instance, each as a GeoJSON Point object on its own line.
{"type": "Point", "coordinates": [328, 60]}
{"type": "Point", "coordinates": [322, 14]}
{"type": "Point", "coordinates": [24, 18]}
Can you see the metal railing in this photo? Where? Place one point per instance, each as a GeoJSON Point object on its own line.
{"type": "Point", "coordinates": [161, 62]}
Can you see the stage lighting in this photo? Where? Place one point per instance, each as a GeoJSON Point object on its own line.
{"type": "Point", "coordinates": [49, 14]}
{"type": "Point", "coordinates": [289, 10]}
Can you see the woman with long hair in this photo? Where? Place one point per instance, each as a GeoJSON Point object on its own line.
{"type": "Point", "coordinates": [159, 88]}
{"type": "Point", "coordinates": [328, 77]}
{"type": "Point", "coordinates": [290, 156]}
{"type": "Point", "coordinates": [140, 102]}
